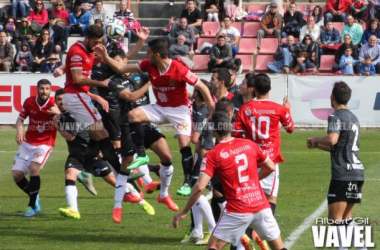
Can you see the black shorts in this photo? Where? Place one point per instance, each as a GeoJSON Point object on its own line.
{"type": "Point", "coordinates": [111, 123]}
{"type": "Point", "coordinates": [98, 168]}
{"type": "Point", "coordinates": [151, 135]}
{"type": "Point", "coordinates": [127, 146]}
{"type": "Point", "coordinates": [349, 191]}
{"type": "Point", "coordinates": [206, 139]}
{"type": "Point", "coordinates": [74, 162]}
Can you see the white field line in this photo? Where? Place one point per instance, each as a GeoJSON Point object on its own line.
{"type": "Point", "coordinates": [296, 234]}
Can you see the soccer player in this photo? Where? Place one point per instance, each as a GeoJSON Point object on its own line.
{"type": "Point", "coordinates": [169, 78]}
{"type": "Point", "coordinates": [235, 162]}
{"type": "Point", "coordinates": [259, 119]}
{"type": "Point", "coordinates": [342, 141]}
{"type": "Point", "coordinates": [36, 144]}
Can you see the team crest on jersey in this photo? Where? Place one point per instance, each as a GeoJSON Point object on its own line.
{"type": "Point", "coordinates": [137, 79]}
{"type": "Point", "coordinates": [171, 82]}
{"type": "Point", "coordinates": [76, 58]}
{"type": "Point", "coordinates": [95, 111]}
{"type": "Point", "coordinates": [247, 112]}
{"type": "Point", "coordinates": [40, 129]}
{"type": "Point", "coordinates": [224, 155]}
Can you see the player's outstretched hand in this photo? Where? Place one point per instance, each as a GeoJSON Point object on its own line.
{"type": "Point", "coordinates": [286, 102]}
{"type": "Point", "coordinates": [101, 51]}
{"type": "Point", "coordinates": [143, 33]}
{"type": "Point", "coordinates": [177, 218]}
{"type": "Point", "coordinates": [58, 72]}
{"type": "Point", "coordinates": [20, 138]}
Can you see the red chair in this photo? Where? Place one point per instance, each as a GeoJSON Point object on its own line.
{"type": "Point", "coordinates": [250, 29]}
{"type": "Point", "coordinates": [364, 26]}
{"type": "Point", "coordinates": [201, 62]}
{"type": "Point", "coordinates": [268, 45]}
{"type": "Point", "coordinates": [210, 29]}
{"type": "Point", "coordinates": [262, 61]}
{"type": "Point", "coordinates": [237, 25]}
{"type": "Point", "coordinates": [327, 62]}
{"type": "Point", "coordinates": [203, 40]}
{"type": "Point", "coordinates": [247, 46]}
{"type": "Point", "coordinates": [247, 61]}
{"type": "Point", "coordinates": [339, 26]}
{"type": "Point", "coordinates": [257, 7]}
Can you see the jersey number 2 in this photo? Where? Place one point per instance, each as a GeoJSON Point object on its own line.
{"type": "Point", "coordinates": [243, 165]}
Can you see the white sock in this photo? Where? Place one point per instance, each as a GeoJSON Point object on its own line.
{"type": "Point", "coordinates": [141, 202]}
{"type": "Point", "coordinates": [166, 174]}
{"type": "Point", "coordinates": [205, 208]}
{"type": "Point", "coordinates": [120, 189]}
{"type": "Point", "coordinates": [146, 178]}
{"type": "Point", "coordinates": [71, 196]}
{"type": "Point", "coordinates": [239, 246]}
{"type": "Point", "coordinates": [198, 222]}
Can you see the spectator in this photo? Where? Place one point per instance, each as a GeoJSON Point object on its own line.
{"type": "Point", "coordinates": [353, 29]}
{"type": "Point", "coordinates": [26, 34]}
{"type": "Point", "coordinates": [271, 24]}
{"type": "Point", "coordinates": [10, 27]}
{"type": "Point", "coordinates": [179, 48]}
{"type": "Point", "coordinates": [373, 50]}
{"type": "Point", "coordinates": [367, 67]}
{"type": "Point", "coordinates": [3, 18]}
{"type": "Point", "coordinates": [373, 28]}
{"type": "Point", "coordinates": [355, 53]}
{"type": "Point", "coordinates": [57, 33]}
{"type": "Point", "coordinates": [168, 28]}
{"type": "Point", "coordinates": [220, 55]}
{"type": "Point", "coordinates": [78, 22]}
{"type": "Point", "coordinates": [61, 13]}
{"type": "Point", "coordinates": [193, 16]}
{"type": "Point", "coordinates": [126, 15]}
{"type": "Point", "coordinates": [374, 7]}
{"type": "Point", "coordinates": [183, 29]}
{"type": "Point", "coordinates": [68, 4]}
{"type": "Point", "coordinates": [39, 14]}
{"type": "Point", "coordinates": [284, 57]}
{"type": "Point", "coordinates": [24, 57]}
{"type": "Point", "coordinates": [50, 64]}
{"type": "Point", "coordinates": [358, 10]}
{"type": "Point", "coordinates": [347, 62]}
{"type": "Point", "coordinates": [293, 21]}
{"type": "Point", "coordinates": [44, 47]}
{"type": "Point", "coordinates": [231, 33]}
{"type": "Point", "coordinates": [310, 29]}
{"type": "Point", "coordinates": [214, 10]}
{"type": "Point", "coordinates": [98, 12]}
{"type": "Point", "coordinates": [6, 53]}
{"type": "Point", "coordinates": [20, 6]}
{"type": "Point", "coordinates": [307, 55]}
{"type": "Point", "coordinates": [337, 10]}
{"type": "Point", "coordinates": [330, 38]}
{"type": "Point", "coordinates": [318, 16]}
{"type": "Point", "coordinates": [235, 10]}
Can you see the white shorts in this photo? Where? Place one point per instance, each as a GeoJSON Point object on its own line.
{"type": "Point", "coordinates": [271, 183]}
{"type": "Point", "coordinates": [179, 117]}
{"type": "Point", "coordinates": [80, 106]}
{"type": "Point", "coordinates": [231, 226]}
{"type": "Point", "coordinates": [28, 153]}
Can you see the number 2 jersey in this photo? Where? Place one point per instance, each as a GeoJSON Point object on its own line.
{"type": "Point", "coordinates": [345, 163]}
{"type": "Point", "coordinates": [235, 163]}
{"type": "Point", "coordinates": [259, 120]}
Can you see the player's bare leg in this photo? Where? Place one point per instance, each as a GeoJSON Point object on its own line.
{"type": "Point", "coordinates": [187, 163]}
{"type": "Point", "coordinates": [215, 243]}
{"type": "Point", "coordinates": [277, 244]}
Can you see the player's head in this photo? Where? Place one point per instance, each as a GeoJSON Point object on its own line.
{"type": "Point", "coordinates": [198, 95]}
{"type": "Point", "coordinates": [119, 56]}
{"type": "Point", "coordinates": [157, 49]}
{"type": "Point", "coordinates": [44, 89]}
{"type": "Point", "coordinates": [233, 73]}
{"type": "Point", "coordinates": [341, 94]}
{"type": "Point", "coordinates": [247, 87]}
{"type": "Point", "coordinates": [220, 79]}
{"type": "Point", "coordinates": [222, 124]}
{"type": "Point", "coordinates": [262, 84]}
{"type": "Point", "coordinates": [225, 105]}
{"type": "Point", "coordinates": [59, 100]}
{"type": "Point", "coordinates": [93, 36]}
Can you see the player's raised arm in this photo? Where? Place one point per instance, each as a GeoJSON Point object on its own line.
{"type": "Point", "coordinates": [142, 34]}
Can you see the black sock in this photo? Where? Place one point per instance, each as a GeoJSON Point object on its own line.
{"type": "Point", "coordinates": [195, 172]}
{"type": "Point", "coordinates": [91, 155]}
{"type": "Point", "coordinates": [137, 133]}
{"type": "Point", "coordinates": [34, 188]}
{"type": "Point", "coordinates": [233, 247]}
{"type": "Point", "coordinates": [272, 207]}
{"type": "Point", "coordinates": [69, 183]}
{"type": "Point", "coordinates": [215, 209]}
{"type": "Point", "coordinates": [24, 185]}
{"type": "Point", "coordinates": [192, 219]}
{"type": "Point", "coordinates": [187, 163]}
{"type": "Point", "coordinates": [155, 169]}
{"type": "Point", "coordinates": [109, 153]}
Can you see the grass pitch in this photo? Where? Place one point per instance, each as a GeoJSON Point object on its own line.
{"type": "Point", "coordinates": [304, 183]}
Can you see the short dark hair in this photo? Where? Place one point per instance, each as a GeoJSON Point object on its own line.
{"type": "Point", "coordinates": [190, 1]}
{"type": "Point", "coordinates": [58, 92]}
{"type": "Point", "coordinates": [348, 47]}
{"type": "Point", "coordinates": [94, 31]}
{"type": "Point", "coordinates": [367, 56]}
{"type": "Point", "coordinates": [262, 83]}
{"type": "Point", "coordinates": [223, 75]}
{"type": "Point", "coordinates": [250, 77]}
{"type": "Point", "coordinates": [226, 16]}
{"type": "Point", "coordinates": [43, 81]}
{"type": "Point", "coordinates": [118, 52]}
{"type": "Point", "coordinates": [98, 1]}
{"type": "Point", "coordinates": [224, 105]}
{"type": "Point", "coordinates": [160, 46]}
{"type": "Point", "coordinates": [208, 85]}
{"type": "Point", "coordinates": [222, 123]}
{"type": "Point", "coordinates": [221, 36]}
{"type": "Point", "coordinates": [341, 92]}
{"type": "Point", "coordinates": [77, 9]}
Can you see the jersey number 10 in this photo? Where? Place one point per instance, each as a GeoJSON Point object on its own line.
{"type": "Point", "coordinates": [262, 122]}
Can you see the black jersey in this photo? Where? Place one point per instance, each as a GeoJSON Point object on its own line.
{"type": "Point", "coordinates": [132, 82]}
{"type": "Point", "coordinates": [200, 117]}
{"type": "Point", "coordinates": [345, 162]}
{"type": "Point", "coordinates": [237, 100]}
{"type": "Point", "coordinates": [76, 147]}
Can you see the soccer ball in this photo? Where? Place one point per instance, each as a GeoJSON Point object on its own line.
{"type": "Point", "coordinates": [115, 28]}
